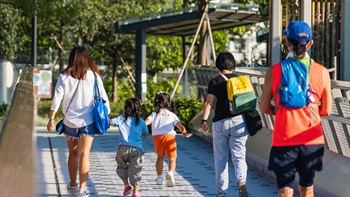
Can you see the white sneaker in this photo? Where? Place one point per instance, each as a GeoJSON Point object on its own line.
{"type": "Point", "coordinates": [170, 180]}
{"type": "Point", "coordinates": [82, 193]}
{"type": "Point", "coordinates": [71, 189]}
{"type": "Point", "coordinates": [160, 180]}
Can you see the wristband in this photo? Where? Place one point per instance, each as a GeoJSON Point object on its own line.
{"type": "Point", "coordinates": [203, 121]}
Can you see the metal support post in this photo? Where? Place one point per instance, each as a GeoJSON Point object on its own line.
{"type": "Point", "coordinates": [345, 41]}
{"type": "Point", "coordinates": [140, 71]}
{"type": "Point", "coordinates": [275, 31]}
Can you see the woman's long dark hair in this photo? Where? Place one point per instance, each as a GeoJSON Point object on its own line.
{"type": "Point", "coordinates": [79, 62]}
{"type": "Point", "coordinates": [162, 100]}
{"type": "Point", "coordinates": [132, 107]}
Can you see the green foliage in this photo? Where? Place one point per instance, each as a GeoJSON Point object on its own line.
{"type": "Point", "coordinates": [3, 108]}
{"type": "Point", "coordinates": [146, 109]}
{"type": "Point", "coordinates": [12, 34]}
{"type": "Point", "coordinates": [43, 110]}
{"type": "Point", "coordinates": [166, 85]}
{"type": "Point", "coordinates": [167, 54]}
{"type": "Point", "coordinates": [187, 108]}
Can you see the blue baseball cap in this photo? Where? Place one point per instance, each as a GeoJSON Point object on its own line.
{"type": "Point", "coordinates": [298, 30]}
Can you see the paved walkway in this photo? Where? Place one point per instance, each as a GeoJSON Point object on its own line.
{"type": "Point", "coordinates": [194, 174]}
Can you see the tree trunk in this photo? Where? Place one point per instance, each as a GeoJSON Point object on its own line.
{"type": "Point", "coordinates": [114, 79]}
{"type": "Point", "coordinates": [60, 59]}
{"type": "Point", "coordinates": [203, 53]}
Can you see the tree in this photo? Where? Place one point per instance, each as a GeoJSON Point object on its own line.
{"type": "Point", "coordinates": [13, 34]}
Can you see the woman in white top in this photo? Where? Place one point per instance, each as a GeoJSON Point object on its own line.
{"type": "Point", "coordinates": [75, 86]}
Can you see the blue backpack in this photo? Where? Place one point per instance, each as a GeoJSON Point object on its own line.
{"type": "Point", "coordinates": [295, 84]}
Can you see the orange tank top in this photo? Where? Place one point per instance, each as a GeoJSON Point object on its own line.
{"type": "Point", "coordinates": [294, 127]}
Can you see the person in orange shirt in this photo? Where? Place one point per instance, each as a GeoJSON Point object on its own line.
{"type": "Point", "coordinates": [297, 140]}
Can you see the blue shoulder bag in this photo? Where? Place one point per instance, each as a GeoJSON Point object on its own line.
{"type": "Point", "coordinates": [100, 112]}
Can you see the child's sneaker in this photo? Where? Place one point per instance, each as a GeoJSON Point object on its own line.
{"type": "Point", "coordinates": [160, 180]}
{"type": "Point", "coordinates": [136, 195]}
{"type": "Point", "coordinates": [170, 180]}
{"type": "Point", "coordinates": [221, 195]}
{"type": "Point", "coordinates": [242, 189]}
{"type": "Point", "coordinates": [72, 189]}
{"type": "Point", "coordinates": [82, 193]}
{"type": "Point", "coordinates": [127, 190]}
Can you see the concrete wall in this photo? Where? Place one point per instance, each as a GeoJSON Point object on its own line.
{"type": "Point", "coordinates": [17, 144]}
{"type": "Point", "coordinates": [332, 181]}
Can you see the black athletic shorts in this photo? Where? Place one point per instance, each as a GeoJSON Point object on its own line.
{"type": "Point", "coordinates": [286, 161]}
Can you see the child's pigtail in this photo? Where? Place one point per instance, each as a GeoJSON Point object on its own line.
{"type": "Point", "coordinates": [172, 107]}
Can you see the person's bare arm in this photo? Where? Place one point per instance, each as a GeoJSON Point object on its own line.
{"type": "Point", "coordinates": [50, 125]}
{"type": "Point", "coordinates": [326, 98]}
{"type": "Point", "coordinates": [183, 130]}
{"type": "Point", "coordinates": [147, 121]}
{"type": "Point", "coordinates": [207, 107]}
{"type": "Point", "coordinates": [144, 134]}
{"type": "Point", "coordinates": [266, 97]}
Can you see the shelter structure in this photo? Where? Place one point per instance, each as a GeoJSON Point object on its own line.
{"type": "Point", "coordinates": [183, 22]}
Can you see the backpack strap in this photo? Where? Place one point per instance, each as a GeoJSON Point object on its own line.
{"type": "Point", "coordinates": [223, 76]}
{"type": "Point", "coordinates": [310, 103]}
{"type": "Point", "coordinates": [307, 83]}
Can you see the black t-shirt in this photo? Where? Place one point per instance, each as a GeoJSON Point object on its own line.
{"type": "Point", "coordinates": [217, 87]}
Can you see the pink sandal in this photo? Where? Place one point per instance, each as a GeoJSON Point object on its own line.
{"type": "Point", "coordinates": [127, 190]}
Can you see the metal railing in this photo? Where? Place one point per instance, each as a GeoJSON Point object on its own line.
{"type": "Point", "coordinates": [336, 126]}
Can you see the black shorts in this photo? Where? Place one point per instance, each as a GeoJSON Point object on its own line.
{"type": "Point", "coordinates": [286, 161]}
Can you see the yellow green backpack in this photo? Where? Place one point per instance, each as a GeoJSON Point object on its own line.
{"type": "Point", "coordinates": [240, 94]}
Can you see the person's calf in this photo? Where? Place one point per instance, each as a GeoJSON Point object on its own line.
{"type": "Point", "coordinates": [172, 163]}
{"type": "Point", "coordinates": [285, 192]}
{"type": "Point", "coordinates": [306, 191]}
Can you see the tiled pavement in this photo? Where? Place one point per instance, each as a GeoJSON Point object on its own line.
{"type": "Point", "coordinates": [194, 174]}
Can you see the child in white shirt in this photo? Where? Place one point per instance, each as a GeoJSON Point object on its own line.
{"type": "Point", "coordinates": [163, 122]}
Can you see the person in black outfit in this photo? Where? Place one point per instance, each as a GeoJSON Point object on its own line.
{"type": "Point", "coordinates": [229, 131]}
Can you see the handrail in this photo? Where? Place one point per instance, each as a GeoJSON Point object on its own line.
{"type": "Point", "coordinates": [17, 147]}
{"type": "Point", "coordinates": [336, 126]}
{"type": "Point", "coordinates": [336, 129]}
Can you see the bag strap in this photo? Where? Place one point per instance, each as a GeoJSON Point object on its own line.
{"type": "Point", "coordinates": [308, 89]}
{"type": "Point", "coordinates": [71, 99]}
{"type": "Point", "coordinates": [97, 90]}
{"type": "Point", "coordinates": [224, 76]}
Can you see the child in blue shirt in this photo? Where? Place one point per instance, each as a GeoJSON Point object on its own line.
{"type": "Point", "coordinates": [130, 152]}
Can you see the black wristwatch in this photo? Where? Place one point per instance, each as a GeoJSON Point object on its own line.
{"type": "Point", "coordinates": [203, 121]}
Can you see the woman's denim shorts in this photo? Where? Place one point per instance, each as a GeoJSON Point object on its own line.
{"type": "Point", "coordinates": [89, 130]}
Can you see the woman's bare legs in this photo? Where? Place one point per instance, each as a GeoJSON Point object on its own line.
{"type": "Point", "coordinates": [84, 147]}
{"type": "Point", "coordinates": [72, 160]}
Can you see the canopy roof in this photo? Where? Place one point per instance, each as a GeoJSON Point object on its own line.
{"type": "Point", "coordinates": [185, 21]}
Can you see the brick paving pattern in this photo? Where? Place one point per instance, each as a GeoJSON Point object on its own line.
{"type": "Point", "coordinates": [194, 174]}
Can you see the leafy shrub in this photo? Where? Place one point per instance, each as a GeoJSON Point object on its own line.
{"type": "Point", "coordinates": [187, 108]}
{"type": "Point", "coordinates": [3, 108]}
{"type": "Point", "coordinates": [146, 109]}
{"type": "Point", "coordinates": [43, 110]}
